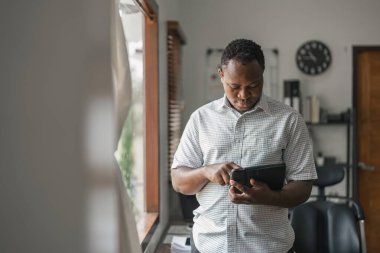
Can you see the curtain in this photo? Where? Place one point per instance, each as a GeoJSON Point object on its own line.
{"type": "Point", "coordinates": [128, 237]}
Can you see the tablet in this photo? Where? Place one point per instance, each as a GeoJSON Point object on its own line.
{"type": "Point", "coordinates": [273, 175]}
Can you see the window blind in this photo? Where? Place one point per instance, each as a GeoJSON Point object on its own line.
{"type": "Point", "coordinates": [175, 40]}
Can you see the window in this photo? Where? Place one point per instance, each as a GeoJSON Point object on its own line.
{"type": "Point", "coordinates": [137, 152]}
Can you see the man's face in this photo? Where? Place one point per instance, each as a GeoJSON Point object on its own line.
{"type": "Point", "coordinates": [243, 84]}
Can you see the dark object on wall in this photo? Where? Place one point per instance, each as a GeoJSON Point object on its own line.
{"type": "Point", "coordinates": [292, 94]}
{"type": "Point", "coordinates": [313, 57]}
{"type": "Point", "coordinates": [188, 204]}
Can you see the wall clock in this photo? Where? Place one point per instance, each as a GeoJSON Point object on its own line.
{"type": "Point", "coordinates": [313, 57]}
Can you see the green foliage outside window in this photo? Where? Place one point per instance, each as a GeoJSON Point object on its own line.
{"type": "Point", "coordinates": [125, 157]}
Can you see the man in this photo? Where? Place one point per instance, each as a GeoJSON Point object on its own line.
{"type": "Point", "coordinates": [244, 128]}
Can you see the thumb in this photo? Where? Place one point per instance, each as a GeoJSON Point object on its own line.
{"type": "Point", "coordinates": [256, 183]}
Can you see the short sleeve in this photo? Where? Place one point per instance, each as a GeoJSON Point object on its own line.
{"type": "Point", "coordinates": [189, 152]}
{"type": "Point", "coordinates": [298, 154]}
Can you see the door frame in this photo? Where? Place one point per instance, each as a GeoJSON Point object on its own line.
{"type": "Point", "coordinates": [356, 50]}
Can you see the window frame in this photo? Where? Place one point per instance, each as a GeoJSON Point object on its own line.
{"type": "Point", "coordinates": [151, 115]}
{"type": "Point", "coordinates": [151, 135]}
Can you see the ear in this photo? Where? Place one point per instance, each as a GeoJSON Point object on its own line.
{"type": "Point", "coordinates": [220, 72]}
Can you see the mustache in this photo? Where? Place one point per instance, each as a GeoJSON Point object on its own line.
{"type": "Point", "coordinates": [244, 101]}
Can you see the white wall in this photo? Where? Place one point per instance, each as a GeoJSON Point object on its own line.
{"type": "Point", "coordinates": [284, 25]}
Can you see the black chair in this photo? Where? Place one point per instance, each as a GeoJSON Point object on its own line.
{"type": "Point", "coordinates": [188, 204]}
{"type": "Point", "coordinates": [325, 225]}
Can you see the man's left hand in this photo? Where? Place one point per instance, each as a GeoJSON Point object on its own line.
{"type": "Point", "coordinates": [258, 193]}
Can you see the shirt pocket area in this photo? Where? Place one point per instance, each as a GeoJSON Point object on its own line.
{"type": "Point", "coordinates": [265, 150]}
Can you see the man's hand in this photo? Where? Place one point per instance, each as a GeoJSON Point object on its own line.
{"type": "Point", "coordinates": [291, 195]}
{"type": "Point", "coordinates": [258, 193]}
{"type": "Point", "coordinates": [219, 173]}
{"type": "Point", "coordinates": [189, 181]}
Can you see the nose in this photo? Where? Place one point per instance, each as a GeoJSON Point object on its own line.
{"type": "Point", "coordinates": [243, 94]}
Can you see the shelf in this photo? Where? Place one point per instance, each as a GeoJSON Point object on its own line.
{"type": "Point", "coordinates": [343, 119]}
{"type": "Point", "coordinates": [332, 166]}
{"type": "Point", "coordinates": [327, 123]}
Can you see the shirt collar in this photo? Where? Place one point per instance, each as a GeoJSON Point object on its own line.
{"type": "Point", "coordinates": [223, 103]}
{"type": "Point", "coordinates": [263, 104]}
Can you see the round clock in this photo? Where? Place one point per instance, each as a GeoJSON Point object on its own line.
{"type": "Point", "coordinates": [313, 57]}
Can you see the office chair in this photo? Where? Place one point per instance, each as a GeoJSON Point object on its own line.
{"type": "Point", "coordinates": [322, 225]}
{"type": "Point", "coordinates": [188, 204]}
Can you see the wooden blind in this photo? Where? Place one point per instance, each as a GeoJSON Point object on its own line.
{"type": "Point", "coordinates": [175, 39]}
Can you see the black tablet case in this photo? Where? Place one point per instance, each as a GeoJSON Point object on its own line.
{"type": "Point", "coordinates": [273, 175]}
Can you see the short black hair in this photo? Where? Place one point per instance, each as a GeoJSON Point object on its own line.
{"type": "Point", "coordinates": [244, 51]}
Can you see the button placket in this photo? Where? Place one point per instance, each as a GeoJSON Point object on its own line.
{"type": "Point", "coordinates": [238, 138]}
{"type": "Point", "coordinates": [231, 228]}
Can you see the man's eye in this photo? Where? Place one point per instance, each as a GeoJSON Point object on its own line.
{"type": "Point", "coordinates": [234, 86]}
{"type": "Point", "coordinates": [253, 86]}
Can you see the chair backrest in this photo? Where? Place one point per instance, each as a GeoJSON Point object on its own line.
{"type": "Point", "coordinates": [326, 226]}
{"type": "Point", "coordinates": [322, 226]}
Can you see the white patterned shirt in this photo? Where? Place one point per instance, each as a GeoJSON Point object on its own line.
{"type": "Point", "coordinates": [269, 133]}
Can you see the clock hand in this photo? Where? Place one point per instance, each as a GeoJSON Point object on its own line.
{"type": "Point", "coordinates": [312, 56]}
{"type": "Point", "coordinates": [308, 57]}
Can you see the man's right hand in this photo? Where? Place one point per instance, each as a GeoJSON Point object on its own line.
{"type": "Point", "coordinates": [220, 172]}
{"type": "Point", "coordinates": [189, 181]}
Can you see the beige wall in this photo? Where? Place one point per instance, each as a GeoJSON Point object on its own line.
{"type": "Point", "coordinates": [284, 25]}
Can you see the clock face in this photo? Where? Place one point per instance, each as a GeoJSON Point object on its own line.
{"type": "Point", "coordinates": [313, 57]}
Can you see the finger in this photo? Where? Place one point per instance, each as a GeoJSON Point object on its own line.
{"type": "Point", "coordinates": [256, 183]}
{"type": "Point", "coordinates": [239, 186]}
{"type": "Point", "coordinates": [232, 195]}
{"type": "Point", "coordinates": [226, 176]}
{"type": "Point", "coordinates": [235, 196]}
{"type": "Point", "coordinates": [230, 166]}
{"type": "Point", "coordinates": [234, 166]}
{"type": "Point", "coordinates": [238, 198]}
{"type": "Point", "coordinates": [233, 189]}
{"type": "Point", "coordinates": [220, 180]}
{"type": "Point", "coordinates": [232, 192]}
{"type": "Point", "coordinates": [235, 183]}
